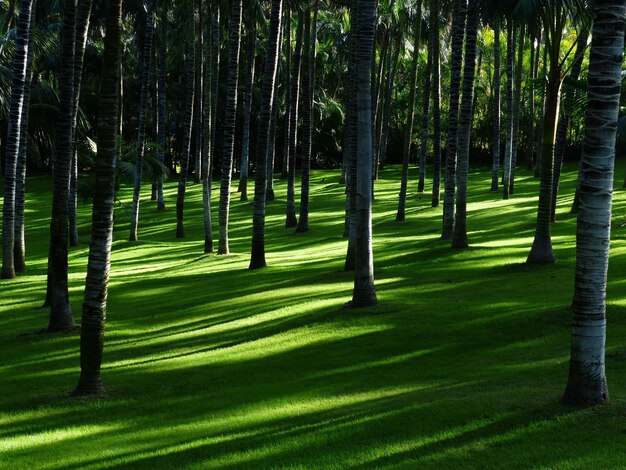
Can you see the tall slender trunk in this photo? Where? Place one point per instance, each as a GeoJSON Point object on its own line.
{"type": "Point", "coordinates": [517, 101]}
{"type": "Point", "coordinates": [564, 122]}
{"type": "Point", "coordinates": [288, 95]}
{"type": "Point", "coordinates": [141, 122]}
{"type": "Point", "coordinates": [508, 149]}
{"type": "Point", "coordinates": [495, 167]}
{"type": "Point", "coordinates": [307, 124]}
{"type": "Point", "coordinates": [207, 157]}
{"type": "Point", "coordinates": [530, 144]}
{"type": "Point", "coordinates": [436, 92]}
{"type": "Point", "coordinates": [19, 251]}
{"type": "Point", "coordinates": [406, 150]}
{"type": "Point", "coordinates": [459, 239]}
{"type": "Point", "coordinates": [198, 97]}
{"type": "Point", "coordinates": [229, 124]}
{"type": "Point", "coordinates": [60, 311]}
{"type": "Point", "coordinates": [13, 137]}
{"type": "Point", "coordinates": [542, 114]}
{"type": "Point", "coordinates": [257, 259]}
{"type": "Point", "coordinates": [291, 219]}
{"type": "Point", "coordinates": [587, 379]}
{"type": "Point", "coordinates": [381, 155]}
{"type": "Point", "coordinates": [247, 112]}
{"type": "Point", "coordinates": [162, 100]}
{"type": "Point", "coordinates": [82, 28]}
{"type": "Point", "coordinates": [190, 103]}
{"type": "Point", "coordinates": [271, 146]}
{"type": "Point", "coordinates": [425, 118]}
{"type": "Point", "coordinates": [96, 286]}
{"type": "Point", "coordinates": [216, 66]}
{"type": "Point", "coordinates": [458, 35]}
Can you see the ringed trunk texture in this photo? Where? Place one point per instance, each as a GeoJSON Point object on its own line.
{"type": "Point", "coordinates": [508, 149]}
{"type": "Point", "coordinates": [495, 168]}
{"type": "Point", "coordinates": [436, 91]}
{"type": "Point", "coordinates": [587, 379]}
{"type": "Point", "coordinates": [425, 120]}
{"type": "Point", "coordinates": [247, 112]}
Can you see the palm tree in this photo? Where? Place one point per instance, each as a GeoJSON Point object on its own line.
{"type": "Point", "coordinates": [13, 137]}
{"type": "Point", "coordinates": [19, 246]}
{"type": "Point", "coordinates": [257, 259]}
{"type": "Point", "coordinates": [587, 380]}
{"type": "Point", "coordinates": [458, 35]}
{"type": "Point", "coordinates": [517, 98]}
{"type": "Point", "coordinates": [247, 109]}
{"type": "Point", "coordinates": [190, 80]}
{"type": "Point", "coordinates": [291, 219]}
{"type": "Point", "coordinates": [60, 311]}
{"type": "Point", "coordinates": [141, 120]}
{"type": "Point", "coordinates": [459, 239]}
{"type": "Point", "coordinates": [229, 123]}
{"type": "Point", "coordinates": [364, 294]}
{"type": "Point", "coordinates": [162, 98]}
{"type": "Point", "coordinates": [425, 118]}
{"type": "Point", "coordinates": [288, 95]}
{"type": "Point", "coordinates": [406, 150]}
{"type": "Point", "coordinates": [510, 67]}
{"type": "Point", "coordinates": [96, 288]}
{"type": "Point", "coordinates": [82, 28]}
{"type": "Point", "coordinates": [436, 95]}
{"type": "Point", "coordinates": [198, 106]}
{"type": "Point", "coordinates": [495, 168]}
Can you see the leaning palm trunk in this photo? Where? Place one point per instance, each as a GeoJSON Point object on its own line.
{"type": "Point", "coordinates": [508, 148]}
{"type": "Point", "coordinates": [96, 286]}
{"type": "Point", "coordinates": [60, 312]}
{"type": "Point", "coordinates": [406, 150]}
{"type": "Point", "coordinates": [260, 177]}
{"type": "Point", "coordinates": [229, 124]}
{"type": "Point", "coordinates": [291, 219]}
{"type": "Point", "coordinates": [425, 120]}
{"type": "Point", "coordinates": [13, 137]}
{"type": "Point", "coordinates": [82, 28]}
{"type": "Point", "coordinates": [436, 92]}
{"type": "Point", "coordinates": [308, 84]}
{"type": "Point", "coordinates": [459, 239]}
{"type": "Point", "coordinates": [517, 98]}
{"type": "Point", "coordinates": [247, 113]}
{"type": "Point", "coordinates": [364, 294]}
{"type": "Point", "coordinates": [186, 153]}
{"type": "Point", "coordinates": [495, 167]}
{"type": "Point", "coordinates": [141, 123]}
{"type": "Point", "coordinates": [458, 35]}
{"type": "Point", "coordinates": [561, 131]}
{"type": "Point", "coordinates": [587, 379]}
{"type": "Point", "coordinates": [19, 247]}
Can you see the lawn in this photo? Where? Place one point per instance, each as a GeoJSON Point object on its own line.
{"type": "Point", "coordinates": [209, 365]}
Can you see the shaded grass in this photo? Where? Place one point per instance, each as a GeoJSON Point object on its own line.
{"type": "Point", "coordinates": [209, 365]}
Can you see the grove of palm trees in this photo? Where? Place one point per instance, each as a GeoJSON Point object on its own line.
{"type": "Point", "coordinates": [312, 234]}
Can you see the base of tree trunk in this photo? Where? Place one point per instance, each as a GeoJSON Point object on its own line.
{"type": "Point", "coordinates": [269, 195]}
{"type": "Point", "coordinates": [257, 261]}
{"type": "Point", "coordinates": [222, 247]}
{"type": "Point", "coordinates": [400, 217]}
{"type": "Point", "coordinates": [446, 237]}
{"type": "Point", "coordinates": [302, 229]}
{"type": "Point", "coordinates": [541, 253]}
{"type": "Point", "coordinates": [458, 243]}
{"type": "Point", "coordinates": [420, 187]}
{"type": "Point", "coordinates": [180, 230]}
{"type": "Point", "coordinates": [208, 245]}
{"type": "Point", "coordinates": [583, 389]}
{"type": "Point", "coordinates": [132, 237]}
{"type": "Point", "coordinates": [494, 187]}
{"type": "Point", "coordinates": [244, 196]}
{"type": "Point", "coordinates": [89, 387]}
{"type": "Point", "coordinates": [62, 322]}
{"type": "Point", "coordinates": [364, 297]}
{"type": "Point", "coordinates": [161, 206]}
{"type": "Point", "coordinates": [8, 272]}
{"type": "Point", "coordinates": [20, 265]}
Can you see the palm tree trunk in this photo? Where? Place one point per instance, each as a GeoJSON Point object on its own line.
{"type": "Point", "coordinates": [198, 97]}
{"type": "Point", "coordinates": [459, 239]}
{"type": "Point", "coordinates": [308, 85]}
{"type": "Point", "coordinates": [60, 311]}
{"type": "Point", "coordinates": [162, 100]}
{"type": "Point", "coordinates": [561, 132]}
{"type": "Point", "coordinates": [542, 114]}
{"type": "Point", "coordinates": [517, 99]}
{"type": "Point", "coordinates": [96, 287]}
{"type": "Point", "coordinates": [436, 91]}
{"type": "Point", "coordinates": [82, 28]}
{"type": "Point", "coordinates": [141, 123]}
{"type": "Point", "coordinates": [190, 80]}
{"type": "Point", "coordinates": [406, 150]}
{"type": "Point", "coordinates": [207, 157]}
{"type": "Point", "coordinates": [530, 144]}
{"type": "Point", "coordinates": [19, 247]}
{"type": "Point", "coordinates": [270, 160]}
{"type": "Point", "coordinates": [381, 155]}
{"type": "Point", "coordinates": [458, 35]}
{"type": "Point", "coordinates": [291, 219]}
{"type": "Point", "coordinates": [216, 68]}
{"type": "Point", "coordinates": [495, 168]}
{"type": "Point", "coordinates": [364, 294]}
{"type": "Point", "coordinates": [288, 103]}
{"type": "Point", "coordinates": [13, 137]}
{"type": "Point", "coordinates": [587, 380]}
{"type": "Point", "coordinates": [257, 259]}
{"type": "Point", "coordinates": [247, 112]}
{"type": "Point", "coordinates": [510, 112]}
{"type": "Point", "coordinates": [425, 118]}
{"type": "Point", "coordinates": [229, 124]}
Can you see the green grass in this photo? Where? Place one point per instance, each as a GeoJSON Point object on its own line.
{"type": "Point", "coordinates": [209, 365]}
